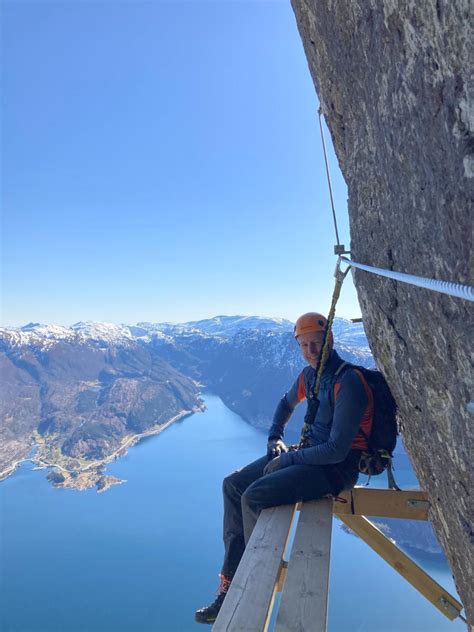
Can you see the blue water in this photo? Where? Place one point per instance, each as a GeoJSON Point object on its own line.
{"type": "Point", "coordinates": [144, 555]}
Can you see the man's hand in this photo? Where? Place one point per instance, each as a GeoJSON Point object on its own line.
{"type": "Point", "coordinates": [272, 466]}
{"type": "Point", "coordinates": [275, 447]}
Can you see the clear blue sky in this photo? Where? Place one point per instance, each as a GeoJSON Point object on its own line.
{"type": "Point", "coordinates": [162, 161]}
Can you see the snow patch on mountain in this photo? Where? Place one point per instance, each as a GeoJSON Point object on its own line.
{"type": "Point", "coordinates": [35, 334]}
{"type": "Point", "coordinates": [103, 332]}
{"type": "Point", "coordinates": [274, 335]}
{"type": "Point", "coordinates": [225, 326]}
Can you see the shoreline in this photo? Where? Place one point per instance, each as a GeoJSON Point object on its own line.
{"type": "Point", "coordinates": [73, 477]}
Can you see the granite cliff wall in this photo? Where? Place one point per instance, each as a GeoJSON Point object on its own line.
{"type": "Point", "coordinates": [394, 79]}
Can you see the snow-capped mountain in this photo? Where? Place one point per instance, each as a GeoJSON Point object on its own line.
{"type": "Point", "coordinates": [224, 326]}
{"type": "Point", "coordinates": [35, 334]}
{"type": "Point", "coordinates": [103, 332]}
{"type": "Point", "coordinates": [348, 335]}
{"type": "Point", "coordinates": [45, 336]}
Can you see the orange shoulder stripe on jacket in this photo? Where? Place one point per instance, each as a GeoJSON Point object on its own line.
{"type": "Point", "coordinates": [301, 388]}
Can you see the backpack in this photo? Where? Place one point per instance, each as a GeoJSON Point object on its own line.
{"type": "Point", "coordinates": [383, 437]}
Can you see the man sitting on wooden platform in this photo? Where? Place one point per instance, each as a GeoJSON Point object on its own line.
{"type": "Point", "coordinates": [325, 461]}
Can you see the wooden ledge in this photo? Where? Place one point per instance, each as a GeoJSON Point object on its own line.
{"type": "Point", "coordinates": [387, 503]}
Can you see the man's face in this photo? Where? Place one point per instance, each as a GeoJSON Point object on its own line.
{"type": "Point", "coordinates": [310, 345]}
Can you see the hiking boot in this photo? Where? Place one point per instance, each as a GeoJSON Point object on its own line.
{"type": "Point", "coordinates": [209, 613]}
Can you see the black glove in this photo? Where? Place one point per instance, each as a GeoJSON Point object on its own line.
{"type": "Point", "coordinates": [275, 447]}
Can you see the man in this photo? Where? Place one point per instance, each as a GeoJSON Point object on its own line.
{"type": "Point", "coordinates": [326, 462]}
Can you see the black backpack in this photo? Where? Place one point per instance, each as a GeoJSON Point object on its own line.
{"type": "Point", "coordinates": [383, 437]}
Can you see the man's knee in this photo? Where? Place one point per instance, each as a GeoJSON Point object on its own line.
{"type": "Point", "coordinates": [236, 483]}
{"type": "Point", "coordinates": [254, 496]}
{"type": "Point", "coordinates": [231, 485]}
{"type": "Point", "coordinates": [228, 485]}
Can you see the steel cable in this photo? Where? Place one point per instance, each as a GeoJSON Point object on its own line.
{"type": "Point", "coordinates": [444, 287]}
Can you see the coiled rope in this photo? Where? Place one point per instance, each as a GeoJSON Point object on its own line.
{"type": "Point", "coordinates": [313, 409]}
{"type": "Point", "coordinates": [444, 287]}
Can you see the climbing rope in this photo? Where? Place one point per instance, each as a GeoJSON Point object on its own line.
{"type": "Point", "coordinates": [314, 402]}
{"type": "Point", "coordinates": [444, 287]}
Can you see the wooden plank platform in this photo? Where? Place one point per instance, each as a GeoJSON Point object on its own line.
{"type": "Point", "coordinates": [247, 606]}
{"type": "Point", "coordinates": [305, 597]}
{"type": "Point", "coordinates": [304, 579]}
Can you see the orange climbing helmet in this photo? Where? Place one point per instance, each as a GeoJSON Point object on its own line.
{"type": "Point", "coordinates": [312, 321]}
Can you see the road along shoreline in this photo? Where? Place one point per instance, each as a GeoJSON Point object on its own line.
{"type": "Point", "coordinates": [91, 475]}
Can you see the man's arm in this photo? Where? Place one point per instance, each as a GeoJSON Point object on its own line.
{"type": "Point", "coordinates": [349, 409]}
{"type": "Point", "coordinates": [285, 408]}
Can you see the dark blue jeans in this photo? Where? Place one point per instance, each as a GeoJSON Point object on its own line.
{"type": "Point", "coordinates": [247, 491]}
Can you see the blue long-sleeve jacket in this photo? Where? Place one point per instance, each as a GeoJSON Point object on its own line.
{"type": "Point", "coordinates": [345, 406]}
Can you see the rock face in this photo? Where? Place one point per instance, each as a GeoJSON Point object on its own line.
{"type": "Point", "coordinates": [393, 82]}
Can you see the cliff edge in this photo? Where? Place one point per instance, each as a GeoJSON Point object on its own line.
{"type": "Point", "coordinates": [395, 84]}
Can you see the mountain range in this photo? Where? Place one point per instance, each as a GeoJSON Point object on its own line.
{"type": "Point", "coordinates": [77, 393]}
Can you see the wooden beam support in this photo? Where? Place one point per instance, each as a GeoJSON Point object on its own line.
{"type": "Point", "coordinates": [389, 503]}
{"type": "Point", "coordinates": [281, 576]}
{"type": "Point", "coordinates": [248, 604]}
{"type": "Point", "coordinates": [304, 601]}
{"type": "Point", "coordinates": [415, 575]}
